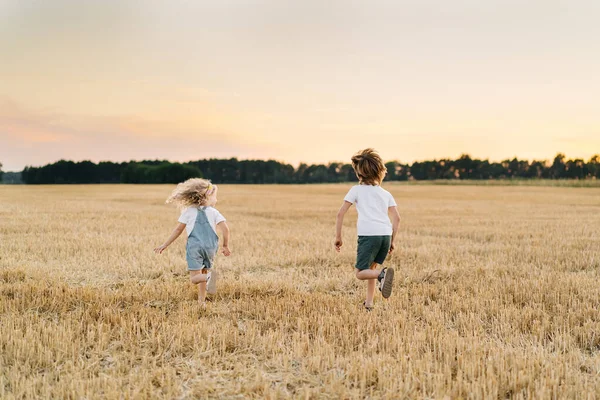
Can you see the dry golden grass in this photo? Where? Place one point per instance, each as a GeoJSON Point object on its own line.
{"type": "Point", "coordinates": [497, 296]}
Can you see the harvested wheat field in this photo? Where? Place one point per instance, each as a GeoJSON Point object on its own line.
{"type": "Point", "coordinates": [497, 295]}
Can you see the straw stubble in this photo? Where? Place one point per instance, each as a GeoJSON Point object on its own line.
{"type": "Point", "coordinates": [496, 295]}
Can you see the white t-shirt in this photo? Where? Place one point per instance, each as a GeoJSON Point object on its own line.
{"type": "Point", "coordinates": [188, 217]}
{"type": "Point", "coordinates": [372, 204]}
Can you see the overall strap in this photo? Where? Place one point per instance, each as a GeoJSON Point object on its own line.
{"type": "Point", "coordinates": [201, 217]}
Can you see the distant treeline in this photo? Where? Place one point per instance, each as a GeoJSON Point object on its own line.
{"type": "Point", "coordinates": [259, 171]}
{"type": "Point", "coordinates": [11, 178]}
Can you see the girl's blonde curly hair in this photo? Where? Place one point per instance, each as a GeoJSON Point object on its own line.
{"type": "Point", "coordinates": [193, 192]}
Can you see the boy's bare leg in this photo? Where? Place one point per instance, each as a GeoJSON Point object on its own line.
{"type": "Point", "coordinates": [371, 287]}
{"type": "Point", "coordinates": [370, 292]}
{"type": "Point", "coordinates": [370, 275]}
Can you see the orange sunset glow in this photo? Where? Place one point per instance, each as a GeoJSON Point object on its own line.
{"type": "Point", "coordinates": [306, 81]}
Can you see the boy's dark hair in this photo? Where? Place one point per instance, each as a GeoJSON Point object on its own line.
{"type": "Point", "coordinates": [369, 167]}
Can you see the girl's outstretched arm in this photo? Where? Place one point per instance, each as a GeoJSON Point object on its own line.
{"type": "Point", "coordinates": [225, 230]}
{"type": "Point", "coordinates": [174, 235]}
{"type": "Point", "coordinates": [339, 223]}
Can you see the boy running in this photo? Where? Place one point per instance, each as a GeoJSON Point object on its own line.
{"type": "Point", "coordinates": [376, 233]}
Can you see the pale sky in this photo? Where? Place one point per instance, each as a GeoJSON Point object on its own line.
{"type": "Point", "coordinates": [310, 81]}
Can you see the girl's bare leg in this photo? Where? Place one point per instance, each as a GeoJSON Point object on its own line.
{"type": "Point", "coordinates": [199, 278]}
{"type": "Point", "coordinates": [202, 293]}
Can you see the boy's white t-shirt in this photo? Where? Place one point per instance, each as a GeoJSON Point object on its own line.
{"type": "Point", "coordinates": [188, 217]}
{"type": "Point", "coordinates": [372, 204]}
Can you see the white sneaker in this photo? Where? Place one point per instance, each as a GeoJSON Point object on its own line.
{"type": "Point", "coordinates": [211, 282]}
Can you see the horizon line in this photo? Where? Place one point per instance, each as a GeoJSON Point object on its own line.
{"type": "Point", "coordinates": [306, 163]}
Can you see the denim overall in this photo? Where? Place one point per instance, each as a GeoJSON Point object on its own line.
{"type": "Point", "coordinates": [202, 244]}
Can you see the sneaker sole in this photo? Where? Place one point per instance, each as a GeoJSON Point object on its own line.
{"type": "Point", "coordinates": [388, 282]}
{"type": "Point", "coordinates": [211, 287]}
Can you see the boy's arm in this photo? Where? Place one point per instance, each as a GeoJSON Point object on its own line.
{"type": "Point", "coordinates": [174, 235]}
{"type": "Point", "coordinates": [338, 225]}
{"type": "Point", "coordinates": [225, 231]}
{"type": "Point", "coordinates": [395, 223]}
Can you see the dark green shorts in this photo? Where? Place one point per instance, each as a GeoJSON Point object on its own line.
{"type": "Point", "coordinates": [372, 249]}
